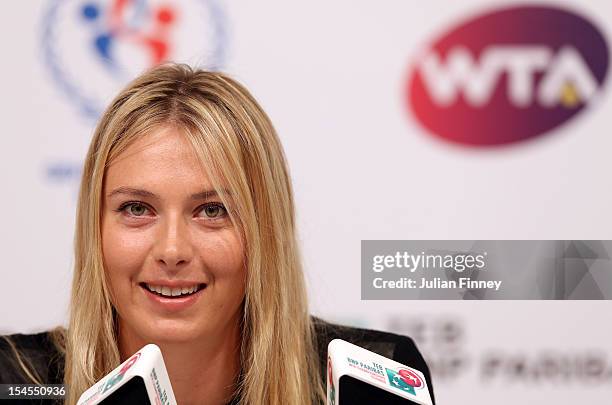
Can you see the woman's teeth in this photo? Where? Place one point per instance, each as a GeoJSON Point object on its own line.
{"type": "Point", "coordinates": [172, 292]}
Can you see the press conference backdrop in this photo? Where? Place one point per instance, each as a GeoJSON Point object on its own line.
{"type": "Point", "coordinates": [401, 120]}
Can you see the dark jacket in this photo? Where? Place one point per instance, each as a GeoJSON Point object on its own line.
{"type": "Point", "coordinates": [39, 351]}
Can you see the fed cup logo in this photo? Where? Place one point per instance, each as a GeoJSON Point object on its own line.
{"type": "Point", "coordinates": [119, 376]}
{"type": "Point", "coordinates": [404, 380]}
{"type": "Point", "coordinates": [92, 48]}
{"type": "Point", "coordinates": [509, 75]}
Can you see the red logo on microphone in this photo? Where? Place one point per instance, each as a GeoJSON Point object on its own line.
{"type": "Point", "coordinates": [411, 378]}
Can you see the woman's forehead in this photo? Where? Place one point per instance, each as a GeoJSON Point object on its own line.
{"type": "Point", "coordinates": [159, 143]}
{"type": "Point", "coordinates": [162, 160]}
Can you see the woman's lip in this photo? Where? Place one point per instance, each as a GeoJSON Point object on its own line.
{"type": "Point", "coordinates": [173, 304]}
{"type": "Point", "coordinates": [171, 284]}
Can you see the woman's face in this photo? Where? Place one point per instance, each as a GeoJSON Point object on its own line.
{"type": "Point", "coordinates": [173, 258]}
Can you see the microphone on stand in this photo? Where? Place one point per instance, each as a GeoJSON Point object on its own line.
{"type": "Point", "coordinates": [356, 376]}
{"type": "Point", "coordinates": [140, 380]}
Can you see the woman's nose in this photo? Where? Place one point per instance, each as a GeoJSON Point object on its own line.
{"type": "Point", "coordinates": [174, 249]}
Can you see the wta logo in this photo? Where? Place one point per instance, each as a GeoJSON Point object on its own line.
{"type": "Point", "coordinates": [508, 76]}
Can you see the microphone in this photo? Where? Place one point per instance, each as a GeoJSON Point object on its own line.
{"type": "Point", "coordinates": [140, 380]}
{"type": "Point", "coordinates": [356, 376]}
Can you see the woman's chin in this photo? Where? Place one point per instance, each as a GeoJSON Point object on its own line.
{"type": "Point", "coordinates": [177, 332]}
{"type": "Point", "coordinates": [172, 331]}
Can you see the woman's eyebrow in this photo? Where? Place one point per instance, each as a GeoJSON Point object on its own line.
{"type": "Point", "coordinates": [137, 192]}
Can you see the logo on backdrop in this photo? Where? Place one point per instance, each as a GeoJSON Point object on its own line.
{"type": "Point", "coordinates": [508, 75]}
{"type": "Point", "coordinates": [92, 48]}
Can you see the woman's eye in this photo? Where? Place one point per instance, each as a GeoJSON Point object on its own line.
{"type": "Point", "coordinates": [213, 211]}
{"type": "Point", "coordinates": [135, 209]}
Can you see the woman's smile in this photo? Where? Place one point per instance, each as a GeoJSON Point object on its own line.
{"type": "Point", "coordinates": [172, 298]}
{"type": "Point", "coordinates": [166, 290]}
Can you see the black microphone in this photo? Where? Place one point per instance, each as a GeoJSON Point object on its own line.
{"type": "Point", "coordinates": [356, 376]}
{"type": "Point", "coordinates": [140, 380]}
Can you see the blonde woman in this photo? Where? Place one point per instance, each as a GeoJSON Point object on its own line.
{"type": "Point", "coordinates": [185, 237]}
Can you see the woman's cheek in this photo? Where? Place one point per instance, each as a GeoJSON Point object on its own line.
{"type": "Point", "coordinates": [222, 253]}
{"type": "Point", "coordinates": [124, 250]}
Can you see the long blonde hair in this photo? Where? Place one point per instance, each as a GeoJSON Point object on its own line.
{"type": "Point", "coordinates": [237, 144]}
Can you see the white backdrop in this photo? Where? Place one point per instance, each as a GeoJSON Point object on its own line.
{"type": "Point", "coordinates": [332, 76]}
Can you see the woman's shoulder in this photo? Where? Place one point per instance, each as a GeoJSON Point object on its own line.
{"type": "Point", "coordinates": [397, 347]}
{"type": "Point", "coordinates": [29, 358]}
{"type": "Point", "coordinates": [384, 343]}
